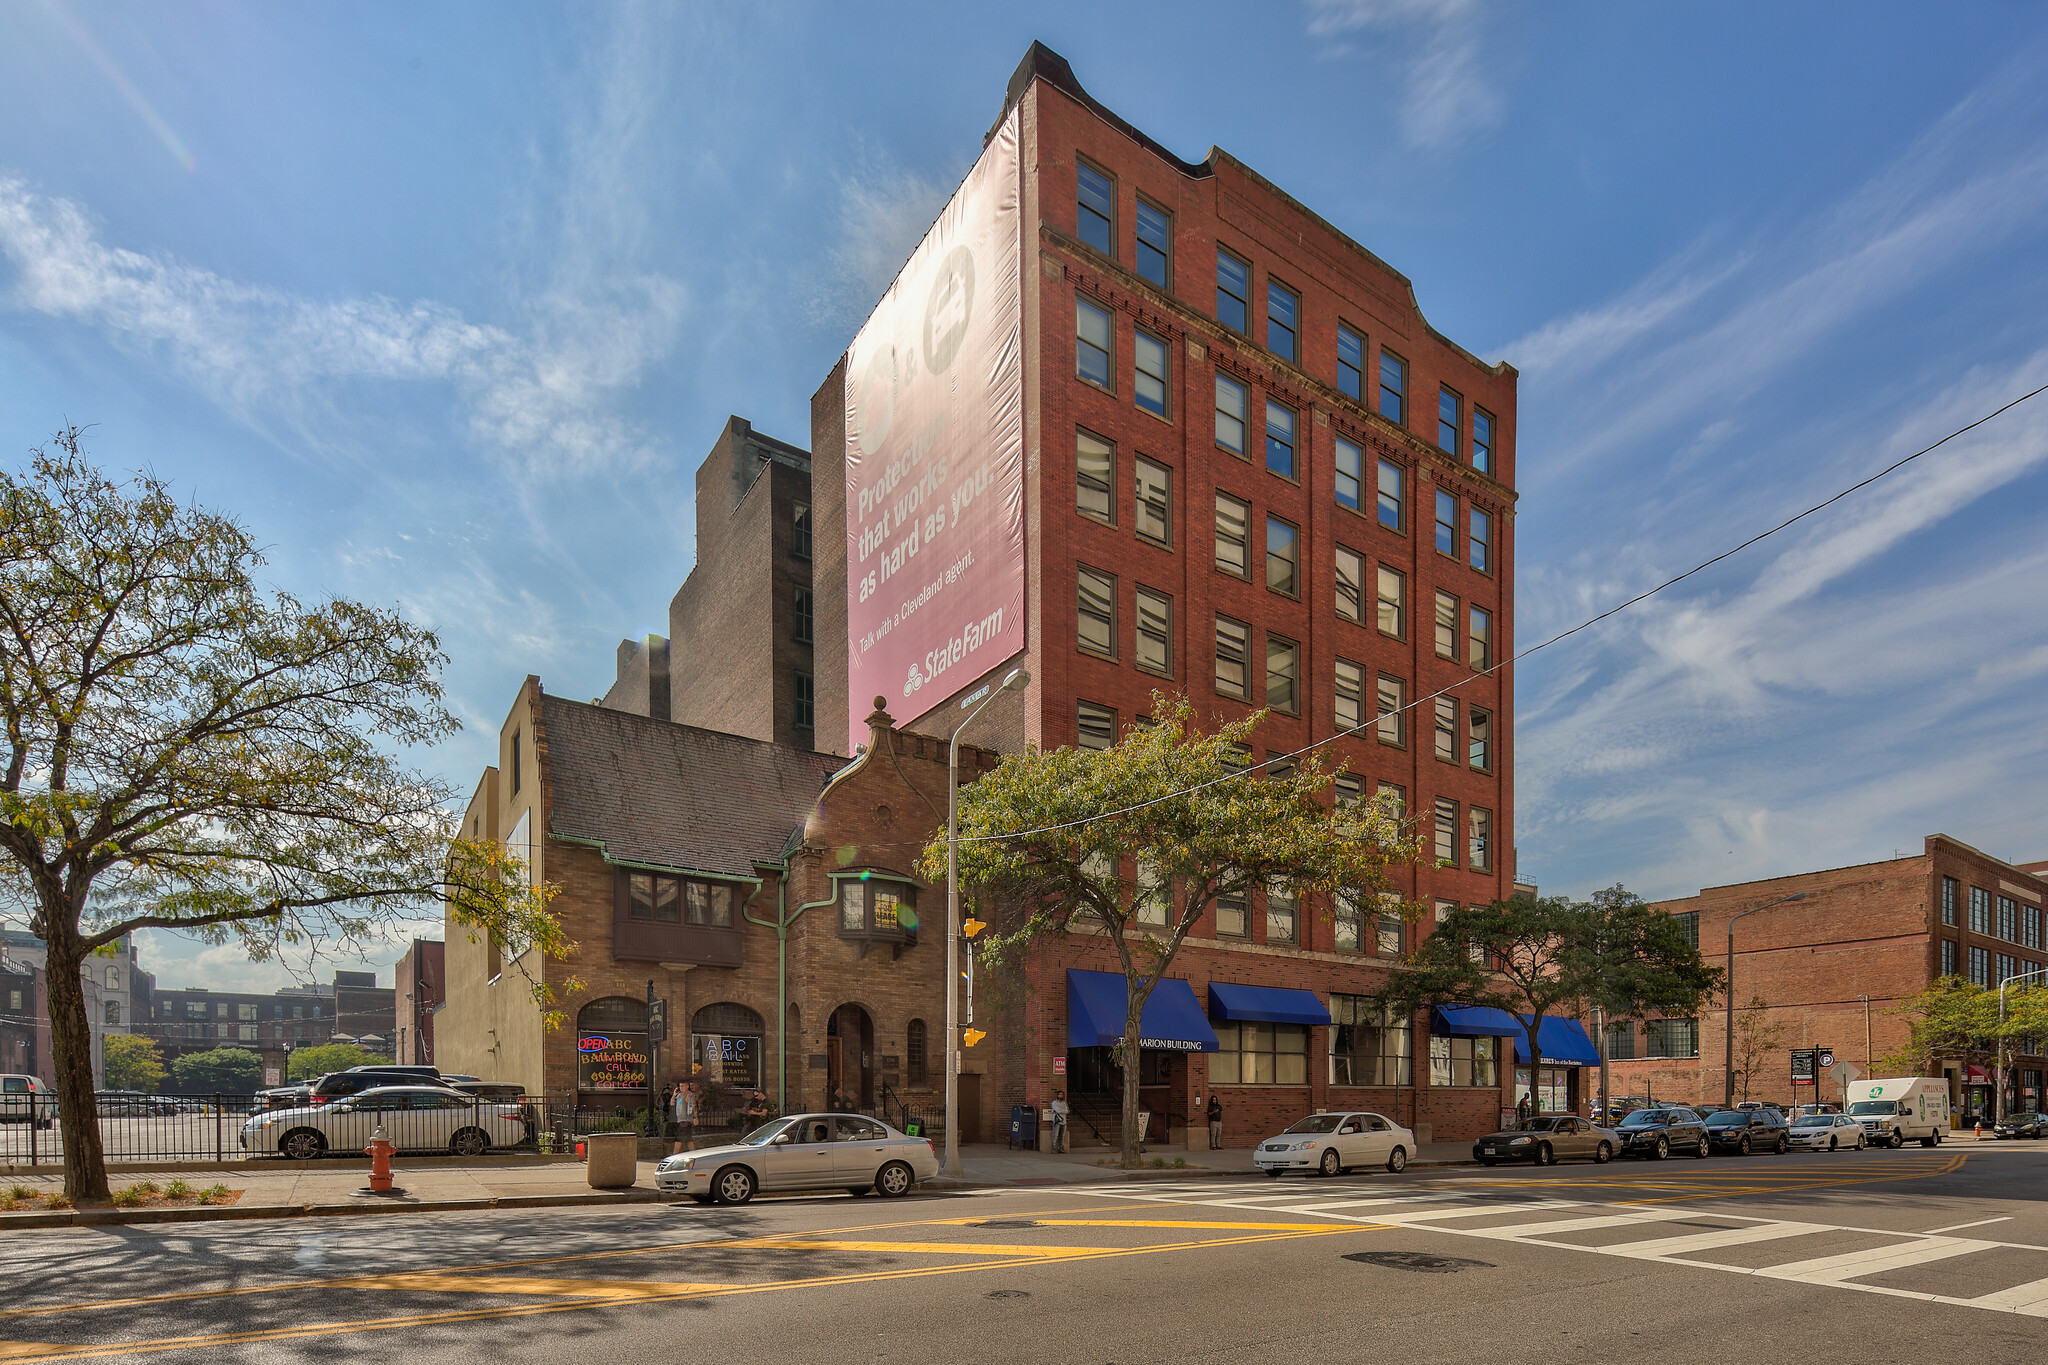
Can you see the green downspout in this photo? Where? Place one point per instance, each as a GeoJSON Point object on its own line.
{"type": "Point", "coordinates": [780, 924]}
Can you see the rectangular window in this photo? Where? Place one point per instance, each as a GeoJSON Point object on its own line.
{"type": "Point", "coordinates": [806, 702]}
{"type": "Point", "coordinates": [1672, 1038]}
{"type": "Point", "coordinates": [1348, 789]}
{"type": "Point", "coordinates": [1231, 413]}
{"type": "Point", "coordinates": [1283, 322]}
{"type": "Point", "coordinates": [1689, 925]}
{"type": "Point", "coordinates": [1479, 541]}
{"type": "Point", "coordinates": [1233, 519]}
{"type": "Point", "coordinates": [1367, 1046]}
{"type": "Point", "coordinates": [1948, 957]}
{"type": "Point", "coordinates": [1280, 439]}
{"type": "Point", "coordinates": [1149, 385]}
{"type": "Point", "coordinates": [1482, 440]}
{"type": "Point", "coordinates": [800, 616]}
{"type": "Point", "coordinates": [1479, 639]}
{"type": "Point", "coordinates": [1233, 649]}
{"type": "Point", "coordinates": [2032, 936]}
{"type": "Point", "coordinates": [1350, 364]}
{"type": "Point", "coordinates": [1095, 218]}
{"type": "Point", "coordinates": [1350, 580]}
{"type": "Point", "coordinates": [1155, 632]}
{"type": "Point", "coordinates": [1950, 892]}
{"type": "Point", "coordinates": [1445, 845]}
{"type": "Point", "coordinates": [1391, 929]}
{"type": "Point", "coordinates": [1283, 675]}
{"type": "Point", "coordinates": [1465, 1062]}
{"type": "Point", "coordinates": [1094, 343]}
{"type": "Point", "coordinates": [1450, 420]}
{"type": "Point", "coordinates": [517, 766]}
{"type": "Point", "coordinates": [1980, 967]}
{"type": "Point", "coordinates": [1094, 477]}
{"type": "Point", "coordinates": [1446, 523]}
{"type": "Point", "coordinates": [1479, 739]}
{"type": "Point", "coordinates": [1095, 607]}
{"type": "Point", "coordinates": [1980, 910]}
{"type": "Point", "coordinates": [2008, 919]}
{"type": "Point", "coordinates": [800, 530]}
{"type": "Point", "coordinates": [1283, 913]}
{"type": "Point", "coordinates": [1350, 473]}
{"type": "Point", "coordinates": [1282, 553]}
{"type": "Point", "coordinates": [1621, 1042]}
{"type": "Point", "coordinates": [1154, 506]}
{"type": "Point", "coordinates": [1231, 921]}
{"type": "Point", "coordinates": [1094, 726]}
{"type": "Point", "coordinates": [1393, 720]}
{"type": "Point", "coordinates": [1447, 729]}
{"type": "Point", "coordinates": [1446, 626]}
{"type": "Point", "coordinates": [1260, 1054]}
{"type": "Point", "coordinates": [1233, 287]}
{"type": "Point", "coordinates": [1392, 614]}
{"type": "Point", "coordinates": [1393, 388]}
{"type": "Point", "coordinates": [708, 903]}
{"type": "Point", "coordinates": [2008, 967]}
{"type": "Point", "coordinates": [1155, 244]}
{"type": "Point", "coordinates": [1393, 495]}
{"type": "Point", "coordinates": [1150, 896]}
{"type": "Point", "coordinates": [1350, 695]}
{"type": "Point", "coordinates": [1479, 835]}
{"type": "Point", "coordinates": [1347, 923]}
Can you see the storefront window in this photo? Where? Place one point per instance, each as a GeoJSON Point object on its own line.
{"type": "Point", "coordinates": [1367, 1046]}
{"type": "Point", "coordinates": [1465, 1062]}
{"type": "Point", "coordinates": [611, 1044]}
{"type": "Point", "coordinates": [726, 1046]}
{"type": "Point", "coordinates": [1554, 1088]}
{"type": "Point", "coordinates": [1260, 1054]}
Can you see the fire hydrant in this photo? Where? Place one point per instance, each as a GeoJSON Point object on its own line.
{"type": "Point", "coordinates": [379, 1151]}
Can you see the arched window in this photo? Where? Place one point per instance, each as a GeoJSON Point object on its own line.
{"type": "Point", "coordinates": [725, 1046]}
{"type": "Point", "coordinates": [611, 1044]}
{"type": "Point", "coordinates": [914, 1053]}
{"type": "Point", "coordinates": [113, 978]}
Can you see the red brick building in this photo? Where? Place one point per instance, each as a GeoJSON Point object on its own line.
{"type": "Point", "coordinates": [420, 994]}
{"type": "Point", "coordinates": [1255, 473]}
{"type": "Point", "coordinates": [1834, 966]}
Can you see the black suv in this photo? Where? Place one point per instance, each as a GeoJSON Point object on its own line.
{"type": "Point", "coordinates": [1743, 1131]}
{"type": "Point", "coordinates": [1659, 1133]}
{"type": "Point", "coordinates": [340, 1084]}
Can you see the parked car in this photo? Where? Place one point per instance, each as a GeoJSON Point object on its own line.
{"type": "Point", "coordinates": [294, 1096]}
{"type": "Point", "coordinates": [404, 1069]}
{"type": "Point", "coordinates": [1743, 1131]}
{"type": "Point", "coordinates": [1330, 1144]}
{"type": "Point", "coordinates": [2029, 1126]}
{"type": "Point", "coordinates": [488, 1090]}
{"type": "Point", "coordinates": [416, 1118]}
{"type": "Point", "coordinates": [340, 1084]}
{"type": "Point", "coordinates": [1826, 1132]}
{"type": "Point", "coordinates": [1658, 1133]}
{"type": "Point", "coordinates": [131, 1103]}
{"type": "Point", "coordinates": [26, 1099]}
{"type": "Point", "coordinates": [1808, 1110]}
{"type": "Point", "coordinates": [803, 1152]}
{"type": "Point", "coordinates": [1546, 1140]}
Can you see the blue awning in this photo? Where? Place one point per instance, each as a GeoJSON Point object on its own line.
{"type": "Point", "coordinates": [1564, 1040]}
{"type": "Point", "coordinates": [1172, 1019]}
{"type": "Point", "coordinates": [1275, 1004]}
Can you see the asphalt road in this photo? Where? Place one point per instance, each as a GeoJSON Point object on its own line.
{"type": "Point", "coordinates": [1877, 1255]}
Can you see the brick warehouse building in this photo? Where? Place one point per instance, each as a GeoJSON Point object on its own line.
{"type": "Point", "coordinates": [1833, 967]}
{"type": "Point", "coordinates": [1252, 471]}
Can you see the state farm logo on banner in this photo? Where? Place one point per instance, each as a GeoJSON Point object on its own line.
{"type": "Point", "coordinates": [947, 310]}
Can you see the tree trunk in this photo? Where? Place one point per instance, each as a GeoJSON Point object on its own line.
{"type": "Point", "coordinates": [1532, 1028]}
{"type": "Point", "coordinates": [85, 1162]}
{"type": "Point", "coordinates": [1130, 1155]}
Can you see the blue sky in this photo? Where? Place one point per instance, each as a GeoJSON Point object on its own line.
{"type": "Point", "coordinates": [447, 302]}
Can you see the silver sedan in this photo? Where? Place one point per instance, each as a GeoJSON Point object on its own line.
{"type": "Point", "coordinates": [804, 1152]}
{"type": "Point", "coordinates": [1826, 1132]}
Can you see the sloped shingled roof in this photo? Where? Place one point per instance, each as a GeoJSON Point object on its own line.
{"type": "Point", "coordinates": [667, 795]}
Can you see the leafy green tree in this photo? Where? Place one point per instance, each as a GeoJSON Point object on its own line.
{"type": "Point", "coordinates": [1554, 957]}
{"type": "Point", "coordinates": [186, 750]}
{"type": "Point", "coordinates": [1758, 1040]}
{"type": "Point", "coordinates": [223, 1071]}
{"type": "Point", "coordinates": [1133, 844]}
{"type": "Point", "coordinates": [318, 1061]}
{"type": "Point", "coordinates": [1948, 1018]}
{"type": "Point", "coordinates": [133, 1063]}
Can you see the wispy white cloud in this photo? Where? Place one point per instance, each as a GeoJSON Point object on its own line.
{"type": "Point", "coordinates": [1448, 96]}
{"type": "Point", "coordinates": [540, 395]}
{"type": "Point", "coordinates": [883, 212]}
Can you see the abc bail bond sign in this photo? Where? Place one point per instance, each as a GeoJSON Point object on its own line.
{"type": "Point", "coordinates": [935, 456]}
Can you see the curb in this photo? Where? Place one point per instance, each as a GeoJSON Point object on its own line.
{"type": "Point", "coordinates": [1111, 1175]}
{"type": "Point", "coordinates": [261, 1165]}
{"type": "Point", "coordinates": [86, 1218]}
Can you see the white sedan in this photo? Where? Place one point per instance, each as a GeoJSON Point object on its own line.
{"type": "Point", "coordinates": [414, 1118]}
{"type": "Point", "coordinates": [803, 1152]}
{"type": "Point", "coordinates": [1826, 1132]}
{"type": "Point", "coordinates": [1333, 1143]}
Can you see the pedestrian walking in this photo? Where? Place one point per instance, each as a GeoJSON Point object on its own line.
{"type": "Point", "coordinates": [1059, 1120]}
{"type": "Point", "coordinates": [1522, 1108]}
{"type": "Point", "coordinates": [1215, 1114]}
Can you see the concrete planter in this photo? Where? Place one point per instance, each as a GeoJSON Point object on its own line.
{"type": "Point", "coordinates": [612, 1159]}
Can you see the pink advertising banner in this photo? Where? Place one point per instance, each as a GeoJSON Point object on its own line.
{"type": "Point", "coordinates": [935, 457]}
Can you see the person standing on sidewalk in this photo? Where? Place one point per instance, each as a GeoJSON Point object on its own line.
{"type": "Point", "coordinates": [1058, 1108]}
{"type": "Point", "coordinates": [1215, 1112]}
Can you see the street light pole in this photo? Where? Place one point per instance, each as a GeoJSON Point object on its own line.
{"type": "Point", "coordinates": [1866, 1033]}
{"type": "Point", "coordinates": [1016, 681]}
{"type": "Point", "coordinates": [1998, 1081]}
{"type": "Point", "coordinates": [1728, 983]}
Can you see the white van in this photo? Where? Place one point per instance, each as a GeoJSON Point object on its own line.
{"type": "Point", "coordinates": [1894, 1110]}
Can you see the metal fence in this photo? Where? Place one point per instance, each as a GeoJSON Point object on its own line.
{"type": "Point", "coordinates": [217, 1127]}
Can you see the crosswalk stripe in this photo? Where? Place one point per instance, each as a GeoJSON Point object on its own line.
{"type": "Point", "coordinates": [1855, 1264]}
{"type": "Point", "coordinates": [1539, 1231]}
{"type": "Point", "coordinates": [1660, 1247]}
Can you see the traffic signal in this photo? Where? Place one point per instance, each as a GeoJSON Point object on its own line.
{"type": "Point", "coordinates": [972, 927]}
{"type": "Point", "coordinates": [971, 1037]}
